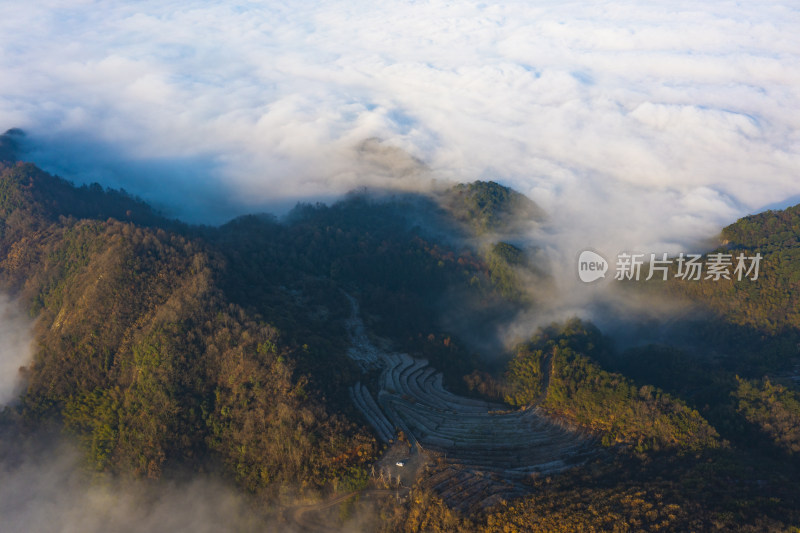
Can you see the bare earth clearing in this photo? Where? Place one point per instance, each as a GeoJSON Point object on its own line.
{"type": "Point", "coordinates": [476, 453]}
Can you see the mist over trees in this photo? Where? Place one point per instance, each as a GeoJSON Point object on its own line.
{"type": "Point", "coordinates": [163, 348]}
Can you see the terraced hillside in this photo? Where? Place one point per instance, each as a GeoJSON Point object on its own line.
{"type": "Point", "coordinates": [486, 448]}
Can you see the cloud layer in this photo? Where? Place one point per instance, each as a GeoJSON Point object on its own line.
{"type": "Point", "coordinates": [635, 124]}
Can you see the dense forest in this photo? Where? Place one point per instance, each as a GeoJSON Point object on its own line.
{"type": "Point", "coordinates": [161, 344]}
{"type": "Point", "coordinates": [163, 347]}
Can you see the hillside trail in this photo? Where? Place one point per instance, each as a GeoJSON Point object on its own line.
{"type": "Point", "coordinates": [546, 369]}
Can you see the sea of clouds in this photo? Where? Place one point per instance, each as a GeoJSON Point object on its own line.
{"type": "Point", "coordinates": [636, 125]}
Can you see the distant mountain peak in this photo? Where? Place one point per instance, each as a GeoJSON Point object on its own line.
{"type": "Point", "coordinates": [490, 207]}
{"type": "Point", "coordinates": [9, 144]}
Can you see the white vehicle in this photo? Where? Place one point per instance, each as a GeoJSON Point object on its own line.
{"type": "Point", "coordinates": [400, 463]}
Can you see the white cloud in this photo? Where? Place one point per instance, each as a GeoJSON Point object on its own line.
{"type": "Point", "coordinates": [652, 114]}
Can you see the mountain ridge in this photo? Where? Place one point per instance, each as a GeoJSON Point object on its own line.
{"type": "Point", "coordinates": [162, 345]}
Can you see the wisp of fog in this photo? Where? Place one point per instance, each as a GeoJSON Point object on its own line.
{"type": "Point", "coordinates": [15, 347]}
{"type": "Point", "coordinates": [46, 489]}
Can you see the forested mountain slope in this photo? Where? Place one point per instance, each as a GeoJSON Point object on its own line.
{"type": "Point", "coordinates": [163, 345]}
{"type": "Point", "coordinates": [166, 347]}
